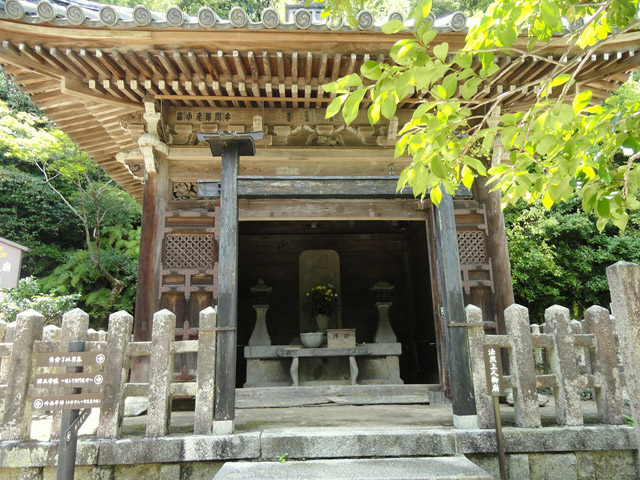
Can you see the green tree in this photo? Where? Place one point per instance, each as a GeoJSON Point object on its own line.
{"type": "Point", "coordinates": [558, 255]}
{"type": "Point", "coordinates": [563, 144]}
{"type": "Point", "coordinates": [82, 228]}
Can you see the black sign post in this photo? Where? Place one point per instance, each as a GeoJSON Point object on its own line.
{"type": "Point", "coordinates": [495, 387]}
{"type": "Point", "coordinates": [69, 442]}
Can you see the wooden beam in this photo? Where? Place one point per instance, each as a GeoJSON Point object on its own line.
{"type": "Point", "coordinates": [259, 210]}
{"type": "Point", "coordinates": [77, 89]}
{"type": "Point", "coordinates": [314, 187]}
{"type": "Point", "coordinates": [456, 337]}
{"type": "Point", "coordinates": [227, 287]}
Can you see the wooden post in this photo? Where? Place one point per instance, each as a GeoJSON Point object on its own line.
{"type": "Point", "coordinates": [497, 250]}
{"type": "Point", "coordinates": [227, 291]}
{"type": "Point", "coordinates": [149, 260]}
{"type": "Point", "coordinates": [456, 338]}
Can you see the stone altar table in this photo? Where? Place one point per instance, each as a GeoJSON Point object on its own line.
{"type": "Point", "coordinates": [281, 365]}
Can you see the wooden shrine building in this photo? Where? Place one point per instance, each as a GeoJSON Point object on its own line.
{"type": "Point", "coordinates": [135, 88]}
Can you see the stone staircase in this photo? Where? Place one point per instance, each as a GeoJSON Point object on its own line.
{"type": "Point", "coordinates": [425, 468]}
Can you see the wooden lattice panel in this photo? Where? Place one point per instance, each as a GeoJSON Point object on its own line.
{"type": "Point", "coordinates": [184, 251]}
{"type": "Point", "coordinates": [471, 247]}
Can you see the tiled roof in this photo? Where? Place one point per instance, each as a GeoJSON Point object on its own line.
{"type": "Point", "coordinates": [93, 14]}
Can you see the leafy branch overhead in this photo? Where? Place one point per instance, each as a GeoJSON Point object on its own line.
{"type": "Point", "coordinates": [562, 142]}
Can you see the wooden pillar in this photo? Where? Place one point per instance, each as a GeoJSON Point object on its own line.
{"type": "Point", "coordinates": [149, 261]}
{"type": "Point", "coordinates": [227, 291]}
{"type": "Point", "coordinates": [456, 335]}
{"type": "Point", "coordinates": [497, 250]}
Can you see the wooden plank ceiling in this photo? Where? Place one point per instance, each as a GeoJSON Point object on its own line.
{"type": "Point", "coordinates": [86, 79]}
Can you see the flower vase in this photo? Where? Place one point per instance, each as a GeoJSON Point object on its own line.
{"type": "Point", "coordinates": [322, 321]}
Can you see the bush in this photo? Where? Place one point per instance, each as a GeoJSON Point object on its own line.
{"type": "Point", "coordinates": [29, 295]}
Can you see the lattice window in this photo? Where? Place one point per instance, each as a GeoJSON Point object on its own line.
{"type": "Point", "coordinates": [182, 251]}
{"type": "Point", "coordinates": [471, 247]}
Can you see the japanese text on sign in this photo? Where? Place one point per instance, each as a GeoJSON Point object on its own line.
{"type": "Point", "coordinates": [493, 369]}
{"type": "Point", "coordinates": [79, 359]}
{"type": "Point", "coordinates": [67, 402]}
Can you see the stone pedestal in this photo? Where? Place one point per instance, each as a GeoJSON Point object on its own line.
{"type": "Point", "coordinates": [260, 334]}
{"type": "Point", "coordinates": [384, 332]}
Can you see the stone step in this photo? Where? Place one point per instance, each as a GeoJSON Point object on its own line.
{"type": "Point", "coordinates": [431, 468]}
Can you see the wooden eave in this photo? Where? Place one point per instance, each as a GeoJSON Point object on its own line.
{"type": "Point", "coordinates": [86, 79]}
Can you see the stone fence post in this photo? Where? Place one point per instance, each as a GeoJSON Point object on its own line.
{"type": "Point", "coordinates": [597, 321]}
{"type": "Point", "coordinates": [206, 372]}
{"type": "Point", "coordinates": [16, 421]}
{"type": "Point", "coordinates": [484, 402]}
{"type": "Point", "coordinates": [564, 366]}
{"type": "Point", "coordinates": [624, 285]}
{"type": "Point", "coordinates": [116, 370]}
{"type": "Point", "coordinates": [523, 369]}
{"type": "Point", "coordinates": [160, 373]}
{"type": "Point", "coordinates": [74, 329]}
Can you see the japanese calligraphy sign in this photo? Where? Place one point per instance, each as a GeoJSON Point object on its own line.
{"type": "Point", "coordinates": [10, 261]}
{"type": "Point", "coordinates": [72, 359]}
{"type": "Point", "coordinates": [68, 379]}
{"type": "Point", "coordinates": [493, 370]}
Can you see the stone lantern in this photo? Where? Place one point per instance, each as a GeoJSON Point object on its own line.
{"type": "Point", "coordinates": [261, 294]}
{"type": "Point", "coordinates": [383, 292]}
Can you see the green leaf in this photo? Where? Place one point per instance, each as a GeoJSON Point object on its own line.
{"type": "Point", "coordinates": [428, 36]}
{"type": "Point", "coordinates": [421, 11]}
{"type": "Point", "coordinates": [393, 26]}
{"type": "Point", "coordinates": [450, 85]}
{"type": "Point", "coordinates": [487, 59]}
{"type": "Point", "coordinates": [389, 106]}
{"type": "Point", "coordinates": [440, 51]}
{"type": "Point", "coordinates": [371, 70]}
{"type": "Point", "coordinates": [373, 112]}
{"type": "Point", "coordinates": [335, 105]}
{"type": "Point", "coordinates": [422, 109]}
{"type": "Point", "coordinates": [330, 87]}
{"type": "Point", "coordinates": [440, 91]}
{"type": "Point", "coordinates": [436, 195]}
{"type": "Point", "coordinates": [581, 101]}
{"type": "Point", "coordinates": [547, 201]}
{"type": "Point", "coordinates": [350, 110]}
{"type": "Point", "coordinates": [464, 60]}
{"type": "Point", "coordinates": [438, 168]}
{"type": "Point", "coordinates": [560, 79]}
{"type": "Point", "coordinates": [470, 87]}
{"type": "Point", "coordinates": [352, 80]}
{"type": "Point", "coordinates": [507, 36]}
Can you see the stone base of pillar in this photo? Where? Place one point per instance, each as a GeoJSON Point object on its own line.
{"type": "Point", "coordinates": [467, 422]}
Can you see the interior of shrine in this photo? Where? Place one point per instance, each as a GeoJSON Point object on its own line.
{"type": "Point", "coordinates": [368, 252]}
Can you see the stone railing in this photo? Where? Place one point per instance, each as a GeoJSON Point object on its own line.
{"type": "Point", "coordinates": [26, 337]}
{"type": "Point", "coordinates": [561, 346]}
{"type": "Point", "coordinates": [574, 356]}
